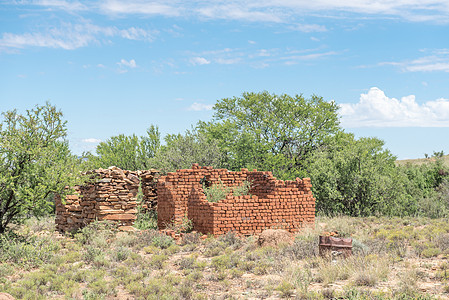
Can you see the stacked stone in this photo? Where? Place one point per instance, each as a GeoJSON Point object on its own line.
{"type": "Point", "coordinates": [112, 196]}
{"type": "Point", "coordinates": [149, 189]}
{"type": "Point", "coordinates": [274, 203]}
{"type": "Point", "coordinates": [69, 215]}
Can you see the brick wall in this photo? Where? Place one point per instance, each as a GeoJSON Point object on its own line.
{"type": "Point", "coordinates": [112, 196]}
{"type": "Point", "coordinates": [274, 203]}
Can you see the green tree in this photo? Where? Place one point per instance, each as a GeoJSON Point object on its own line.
{"type": "Point", "coordinates": [271, 132]}
{"type": "Point", "coordinates": [128, 152]}
{"type": "Point", "coordinates": [35, 163]}
{"type": "Point", "coordinates": [358, 177]}
{"type": "Point", "coordinates": [182, 150]}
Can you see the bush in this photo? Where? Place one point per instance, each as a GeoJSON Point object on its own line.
{"type": "Point", "coordinates": [162, 241]}
{"type": "Point", "coordinates": [97, 233]}
{"type": "Point", "coordinates": [216, 192]}
{"type": "Point", "coordinates": [147, 220]}
{"type": "Point", "coordinates": [30, 251]}
{"type": "Point", "coordinates": [243, 189]}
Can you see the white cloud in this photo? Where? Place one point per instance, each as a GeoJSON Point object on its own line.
{"type": "Point", "coordinates": [71, 6]}
{"type": "Point", "coordinates": [294, 59]}
{"type": "Point", "coordinates": [200, 106]}
{"type": "Point", "coordinates": [199, 61]}
{"type": "Point", "coordinates": [166, 8]}
{"type": "Point", "coordinates": [130, 64]}
{"type": "Point", "coordinates": [259, 58]}
{"type": "Point", "coordinates": [285, 11]}
{"type": "Point", "coordinates": [72, 36]}
{"type": "Point", "coordinates": [134, 33]}
{"type": "Point", "coordinates": [375, 109]}
{"type": "Point", "coordinates": [228, 61]}
{"type": "Point", "coordinates": [91, 140]}
{"type": "Point", "coordinates": [438, 60]}
{"type": "Point", "coordinates": [239, 11]}
{"type": "Point", "coordinates": [310, 28]}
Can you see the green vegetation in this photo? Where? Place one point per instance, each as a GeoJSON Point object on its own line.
{"type": "Point", "coordinates": [219, 191]}
{"type": "Point", "coordinates": [128, 152]}
{"type": "Point", "coordinates": [400, 232]}
{"type": "Point", "coordinates": [271, 132]}
{"type": "Point", "coordinates": [292, 136]}
{"type": "Point", "coordinates": [394, 258]}
{"type": "Point", "coordinates": [35, 163]}
{"type": "Point", "coordinates": [181, 151]}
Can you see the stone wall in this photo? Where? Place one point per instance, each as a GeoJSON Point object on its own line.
{"type": "Point", "coordinates": [111, 196]}
{"type": "Point", "coordinates": [273, 203]}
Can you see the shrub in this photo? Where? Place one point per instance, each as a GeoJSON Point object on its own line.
{"type": "Point", "coordinates": [303, 247]}
{"type": "Point", "coordinates": [285, 288]}
{"type": "Point", "coordinates": [430, 252]}
{"type": "Point", "coordinates": [186, 263]}
{"type": "Point", "coordinates": [242, 189]}
{"type": "Point", "coordinates": [216, 192]}
{"type": "Point", "coordinates": [219, 191]}
{"type": "Point", "coordinates": [30, 251]}
{"type": "Point", "coordinates": [97, 233]}
{"type": "Point", "coordinates": [231, 239]}
{"type": "Point", "coordinates": [162, 241]}
{"type": "Point", "coordinates": [157, 261]}
{"type": "Point", "coordinates": [121, 253]}
{"type": "Point", "coordinates": [146, 220]}
{"type": "Point", "coordinates": [191, 238]}
{"type": "Point", "coordinates": [363, 278]}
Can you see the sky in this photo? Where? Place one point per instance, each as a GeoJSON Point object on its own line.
{"type": "Point", "coordinates": [116, 67]}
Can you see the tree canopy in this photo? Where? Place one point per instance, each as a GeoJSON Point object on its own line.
{"type": "Point", "coordinates": [35, 162]}
{"type": "Point", "coordinates": [271, 132]}
{"type": "Point", "coordinates": [128, 152]}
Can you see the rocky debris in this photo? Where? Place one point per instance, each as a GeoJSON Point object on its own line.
{"type": "Point", "coordinates": [274, 237]}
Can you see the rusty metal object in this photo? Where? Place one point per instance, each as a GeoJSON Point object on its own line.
{"type": "Point", "coordinates": [335, 246]}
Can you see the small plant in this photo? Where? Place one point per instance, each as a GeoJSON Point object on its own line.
{"type": "Point", "coordinates": [162, 241]}
{"type": "Point", "coordinates": [285, 288]}
{"type": "Point", "coordinates": [243, 189]}
{"type": "Point", "coordinates": [29, 251]}
{"type": "Point", "coordinates": [430, 252]}
{"type": "Point", "coordinates": [185, 226]}
{"type": "Point", "coordinates": [216, 192]}
{"type": "Point", "coordinates": [365, 279]}
{"type": "Point", "coordinates": [186, 263]}
{"type": "Point", "coordinates": [146, 220]}
{"type": "Point", "coordinates": [219, 191]}
{"type": "Point", "coordinates": [121, 253]}
{"type": "Point", "coordinates": [157, 261]}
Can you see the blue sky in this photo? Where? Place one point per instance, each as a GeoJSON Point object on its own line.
{"type": "Point", "coordinates": [118, 66]}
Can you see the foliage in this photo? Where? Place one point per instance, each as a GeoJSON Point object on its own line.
{"type": "Point", "coordinates": [185, 226]}
{"type": "Point", "coordinates": [146, 220]}
{"type": "Point", "coordinates": [105, 264]}
{"type": "Point", "coordinates": [242, 189]}
{"type": "Point", "coordinates": [219, 191]}
{"type": "Point", "coordinates": [35, 163]}
{"type": "Point", "coordinates": [25, 250]}
{"type": "Point", "coordinates": [183, 150]}
{"type": "Point", "coordinates": [355, 177]}
{"type": "Point", "coordinates": [128, 152]}
{"type": "Point", "coordinates": [271, 132]}
{"type": "Point", "coordinates": [216, 192]}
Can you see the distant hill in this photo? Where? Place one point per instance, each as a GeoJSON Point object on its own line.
{"type": "Point", "coordinates": [420, 161]}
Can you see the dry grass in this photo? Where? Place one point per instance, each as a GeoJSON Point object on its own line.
{"type": "Point", "coordinates": [421, 161]}
{"type": "Point", "coordinates": [393, 258]}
